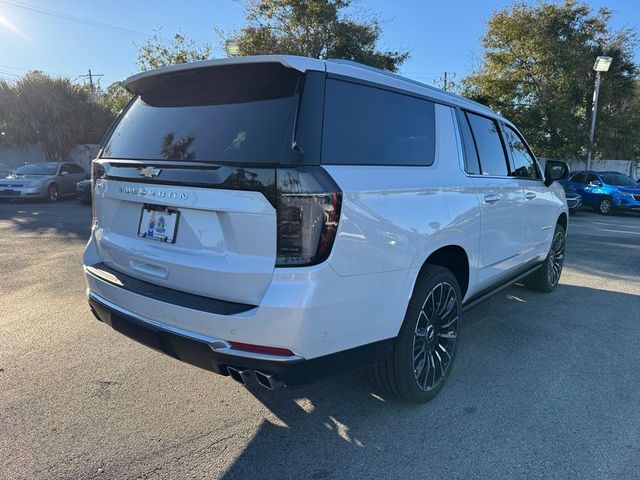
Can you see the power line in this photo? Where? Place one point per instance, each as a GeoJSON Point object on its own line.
{"type": "Point", "coordinates": [25, 69]}
{"type": "Point", "coordinates": [73, 18]}
{"type": "Point", "coordinates": [9, 74]}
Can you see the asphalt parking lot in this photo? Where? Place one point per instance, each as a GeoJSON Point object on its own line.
{"type": "Point", "coordinates": [545, 386]}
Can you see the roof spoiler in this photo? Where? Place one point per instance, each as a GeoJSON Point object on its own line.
{"type": "Point", "coordinates": [301, 64]}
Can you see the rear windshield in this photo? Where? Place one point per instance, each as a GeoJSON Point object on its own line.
{"type": "Point", "coordinates": [224, 114]}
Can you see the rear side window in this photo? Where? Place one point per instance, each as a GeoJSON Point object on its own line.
{"type": "Point", "coordinates": [371, 126]}
{"type": "Point", "coordinates": [489, 145]}
{"type": "Point", "coordinates": [73, 168]}
{"type": "Point", "coordinates": [578, 178]}
{"type": "Point", "coordinates": [591, 178]}
{"type": "Point", "coordinates": [225, 114]}
{"type": "Point", "coordinates": [524, 165]}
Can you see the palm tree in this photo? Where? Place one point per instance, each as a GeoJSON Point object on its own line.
{"type": "Point", "coordinates": [52, 112]}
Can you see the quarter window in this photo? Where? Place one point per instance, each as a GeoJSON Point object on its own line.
{"type": "Point", "coordinates": [372, 126]}
{"type": "Point", "coordinates": [523, 163]}
{"type": "Point", "coordinates": [489, 145]}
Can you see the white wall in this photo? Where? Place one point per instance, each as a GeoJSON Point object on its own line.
{"type": "Point", "coordinates": [14, 156]}
{"type": "Point", "coordinates": [628, 167]}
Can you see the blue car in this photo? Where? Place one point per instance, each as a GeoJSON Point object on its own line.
{"type": "Point", "coordinates": [606, 191]}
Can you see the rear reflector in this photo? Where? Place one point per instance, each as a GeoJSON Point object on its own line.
{"type": "Point", "coordinates": [248, 347]}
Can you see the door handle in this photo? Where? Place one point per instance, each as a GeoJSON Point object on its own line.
{"type": "Point", "coordinates": [530, 195]}
{"type": "Point", "coordinates": [491, 198]}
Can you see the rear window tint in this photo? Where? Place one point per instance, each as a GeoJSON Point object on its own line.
{"type": "Point", "coordinates": [230, 114]}
{"type": "Point", "coordinates": [472, 163]}
{"type": "Point", "coordinates": [489, 145]}
{"type": "Point", "coordinates": [370, 126]}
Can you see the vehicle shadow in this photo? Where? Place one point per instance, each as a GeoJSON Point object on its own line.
{"type": "Point", "coordinates": [535, 376]}
{"type": "Point", "coordinates": [67, 217]}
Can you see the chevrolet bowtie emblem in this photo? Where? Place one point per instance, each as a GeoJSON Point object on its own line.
{"type": "Point", "coordinates": [149, 172]}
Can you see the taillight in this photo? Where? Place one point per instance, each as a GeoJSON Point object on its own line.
{"type": "Point", "coordinates": [97, 171]}
{"type": "Point", "coordinates": [308, 210]}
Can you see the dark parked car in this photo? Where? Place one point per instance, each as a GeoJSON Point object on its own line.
{"type": "Point", "coordinates": [83, 191]}
{"type": "Point", "coordinates": [574, 199]}
{"type": "Point", "coordinates": [42, 180]}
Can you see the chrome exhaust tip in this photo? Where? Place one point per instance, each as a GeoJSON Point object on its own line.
{"type": "Point", "coordinates": [240, 376]}
{"type": "Point", "coordinates": [268, 381]}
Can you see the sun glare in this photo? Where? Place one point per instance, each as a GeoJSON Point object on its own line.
{"type": "Point", "coordinates": [6, 24]}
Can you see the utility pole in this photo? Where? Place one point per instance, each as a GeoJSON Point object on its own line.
{"type": "Point", "coordinates": [90, 76]}
{"type": "Point", "coordinates": [445, 81]}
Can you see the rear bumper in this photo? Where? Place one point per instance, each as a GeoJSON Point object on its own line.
{"type": "Point", "coordinates": [215, 355]}
{"type": "Point", "coordinates": [311, 311]}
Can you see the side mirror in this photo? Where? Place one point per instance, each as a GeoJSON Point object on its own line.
{"type": "Point", "coordinates": [555, 170]}
{"type": "Point", "coordinates": [595, 183]}
{"type": "Point", "coordinates": [64, 172]}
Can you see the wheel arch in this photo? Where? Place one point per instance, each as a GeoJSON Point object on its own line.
{"type": "Point", "coordinates": [563, 220]}
{"type": "Point", "coordinates": [454, 258]}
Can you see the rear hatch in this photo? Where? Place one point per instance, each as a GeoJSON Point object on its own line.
{"type": "Point", "coordinates": [185, 185]}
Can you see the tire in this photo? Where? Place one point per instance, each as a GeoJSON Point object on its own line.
{"type": "Point", "coordinates": [605, 207]}
{"type": "Point", "coordinates": [53, 194]}
{"type": "Point", "coordinates": [546, 278]}
{"type": "Point", "coordinates": [424, 351]}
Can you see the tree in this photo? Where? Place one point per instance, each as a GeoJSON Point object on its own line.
{"type": "Point", "coordinates": [537, 70]}
{"type": "Point", "coordinates": [314, 28]}
{"type": "Point", "coordinates": [52, 112]}
{"type": "Point", "coordinates": [157, 52]}
{"type": "Point", "coordinates": [115, 98]}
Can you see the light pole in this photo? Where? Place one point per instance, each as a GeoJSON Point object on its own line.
{"type": "Point", "coordinates": [602, 65]}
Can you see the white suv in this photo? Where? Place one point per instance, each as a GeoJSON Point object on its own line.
{"type": "Point", "coordinates": [282, 218]}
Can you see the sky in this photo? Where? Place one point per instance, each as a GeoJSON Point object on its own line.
{"type": "Point", "coordinates": [442, 36]}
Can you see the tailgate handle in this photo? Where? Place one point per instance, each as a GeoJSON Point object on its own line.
{"type": "Point", "coordinates": [157, 271]}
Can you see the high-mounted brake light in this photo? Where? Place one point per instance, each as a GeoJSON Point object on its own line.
{"type": "Point", "coordinates": [308, 210]}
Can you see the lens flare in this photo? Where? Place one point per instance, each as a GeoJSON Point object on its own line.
{"type": "Point", "coordinates": [5, 23]}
